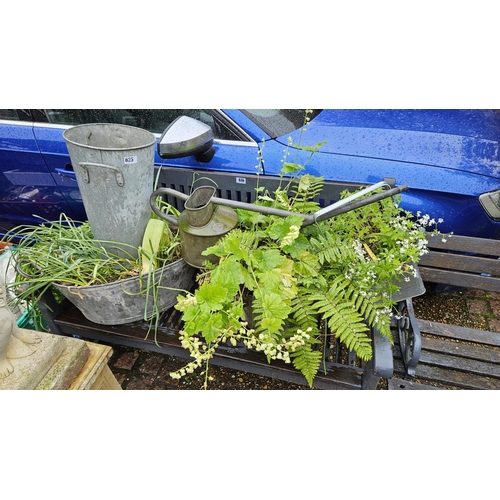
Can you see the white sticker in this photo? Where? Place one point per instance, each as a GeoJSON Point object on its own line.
{"type": "Point", "coordinates": [241, 180]}
{"type": "Point", "coordinates": [129, 159]}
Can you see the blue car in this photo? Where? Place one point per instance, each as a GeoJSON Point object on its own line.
{"type": "Point", "coordinates": [448, 158]}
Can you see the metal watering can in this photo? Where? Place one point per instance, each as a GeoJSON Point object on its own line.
{"type": "Point", "coordinates": [207, 218]}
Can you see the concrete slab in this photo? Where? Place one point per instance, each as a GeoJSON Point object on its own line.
{"type": "Point", "coordinates": [54, 363]}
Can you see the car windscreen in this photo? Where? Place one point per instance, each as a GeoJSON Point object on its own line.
{"type": "Point", "coordinates": [278, 122]}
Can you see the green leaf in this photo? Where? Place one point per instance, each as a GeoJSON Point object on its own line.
{"type": "Point", "coordinates": [251, 218]}
{"type": "Point", "coordinates": [270, 280]}
{"type": "Point", "coordinates": [273, 306]}
{"type": "Point", "coordinates": [300, 244]}
{"type": "Point", "coordinates": [312, 149]}
{"type": "Point", "coordinates": [271, 259]}
{"type": "Point", "coordinates": [305, 183]}
{"type": "Point", "coordinates": [229, 274]}
{"type": "Point", "coordinates": [238, 243]}
{"type": "Point", "coordinates": [281, 227]}
{"type": "Point", "coordinates": [213, 327]}
{"type": "Point", "coordinates": [307, 264]}
{"type": "Point", "coordinates": [291, 168]}
{"type": "Point", "coordinates": [278, 229]}
{"type": "Point", "coordinates": [232, 245]}
{"type": "Point", "coordinates": [213, 295]}
{"type": "Point", "coordinates": [248, 279]}
{"type": "Point", "coordinates": [236, 310]}
{"type": "Point", "coordinates": [273, 325]}
{"type": "Point", "coordinates": [195, 319]}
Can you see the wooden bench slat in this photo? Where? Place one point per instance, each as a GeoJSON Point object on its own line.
{"type": "Point", "coordinates": [461, 350]}
{"type": "Point", "coordinates": [471, 366]}
{"type": "Point", "coordinates": [459, 332]}
{"type": "Point", "coordinates": [398, 384]}
{"type": "Point", "coordinates": [450, 378]}
{"type": "Point", "coordinates": [460, 279]}
{"type": "Point", "coordinates": [469, 263]}
{"type": "Point", "coordinates": [467, 244]}
{"type": "Point", "coordinates": [457, 378]}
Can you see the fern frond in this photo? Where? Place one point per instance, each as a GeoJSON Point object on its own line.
{"type": "Point", "coordinates": [338, 309]}
{"type": "Point", "coordinates": [305, 192]}
{"type": "Point", "coordinates": [370, 308]}
{"type": "Point", "coordinates": [331, 248]}
{"type": "Point", "coordinates": [307, 361]}
{"type": "Point", "coordinates": [302, 316]}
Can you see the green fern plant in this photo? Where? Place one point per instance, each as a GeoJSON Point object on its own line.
{"type": "Point", "coordinates": [336, 306]}
{"type": "Point", "coordinates": [307, 360]}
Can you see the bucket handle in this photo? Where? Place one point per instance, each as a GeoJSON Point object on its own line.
{"type": "Point", "coordinates": [118, 174]}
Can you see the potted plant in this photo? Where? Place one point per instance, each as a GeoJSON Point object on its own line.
{"type": "Point", "coordinates": [284, 289]}
{"type": "Point", "coordinates": [108, 287]}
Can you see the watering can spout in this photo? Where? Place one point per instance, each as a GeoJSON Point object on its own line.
{"type": "Point", "coordinates": [207, 218]}
{"type": "Point", "coordinates": [199, 206]}
{"type": "Point", "coordinates": [354, 202]}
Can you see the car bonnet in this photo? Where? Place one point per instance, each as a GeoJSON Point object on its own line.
{"type": "Point", "coordinates": [466, 140]}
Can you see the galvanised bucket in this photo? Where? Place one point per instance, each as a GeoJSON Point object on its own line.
{"type": "Point", "coordinates": [114, 167]}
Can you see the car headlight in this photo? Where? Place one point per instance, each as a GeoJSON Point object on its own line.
{"type": "Point", "coordinates": [491, 204]}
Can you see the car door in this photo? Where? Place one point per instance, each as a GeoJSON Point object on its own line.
{"type": "Point", "coordinates": [28, 191]}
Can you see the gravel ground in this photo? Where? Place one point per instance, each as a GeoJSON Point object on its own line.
{"type": "Point", "coordinates": [138, 370]}
{"type": "Point", "coordinates": [449, 307]}
{"type": "Point", "coordinates": [141, 370]}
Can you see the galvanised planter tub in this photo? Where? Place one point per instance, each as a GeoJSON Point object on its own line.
{"type": "Point", "coordinates": [129, 300]}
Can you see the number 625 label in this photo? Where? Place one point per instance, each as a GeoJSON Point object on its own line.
{"type": "Point", "coordinates": [129, 159]}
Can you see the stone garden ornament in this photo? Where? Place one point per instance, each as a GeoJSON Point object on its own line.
{"type": "Point", "coordinates": [14, 341]}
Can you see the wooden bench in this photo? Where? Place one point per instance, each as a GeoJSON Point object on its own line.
{"type": "Point", "coordinates": [451, 356]}
{"type": "Point", "coordinates": [426, 355]}
{"type": "Point", "coordinates": [341, 369]}
{"type": "Point", "coordinates": [446, 264]}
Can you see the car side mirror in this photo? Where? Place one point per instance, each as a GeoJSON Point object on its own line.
{"type": "Point", "coordinates": [186, 136]}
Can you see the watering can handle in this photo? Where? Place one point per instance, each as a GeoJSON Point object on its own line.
{"type": "Point", "coordinates": [342, 206]}
{"type": "Point", "coordinates": [162, 191]}
{"type": "Point", "coordinates": [23, 273]}
{"type": "Point", "coordinates": [118, 174]}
